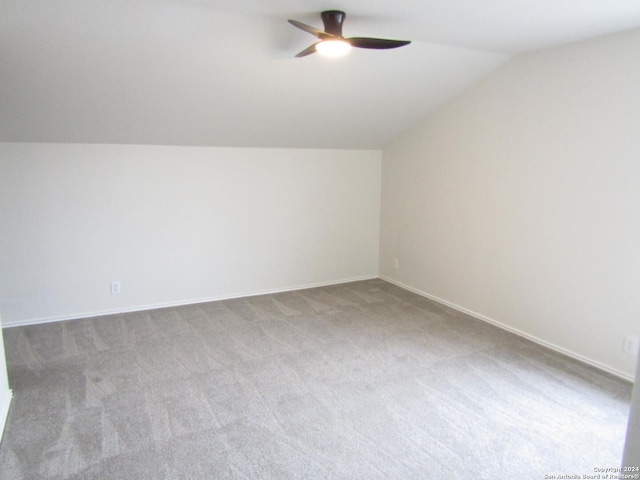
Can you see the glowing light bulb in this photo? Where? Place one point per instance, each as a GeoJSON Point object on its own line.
{"type": "Point", "coordinates": [333, 48]}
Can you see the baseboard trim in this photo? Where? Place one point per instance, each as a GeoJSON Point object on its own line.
{"type": "Point", "coordinates": [156, 306]}
{"type": "Point", "coordinates": [520, 333]}
{"type": "Point", "coordinates": [4, 410]}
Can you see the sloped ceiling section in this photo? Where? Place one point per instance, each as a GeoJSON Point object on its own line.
{"type": "Point", "coordinates": [222, 72]}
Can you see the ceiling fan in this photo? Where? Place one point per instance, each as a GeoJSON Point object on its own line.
{"type": "Point", "coordinates": [332, 43]}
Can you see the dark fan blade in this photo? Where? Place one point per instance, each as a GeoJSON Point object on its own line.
{"type": "Point", "coordinates": [376, 43]}
{"type": "Point", "coordinates": [313, 31]}
{"type": "Point", "coordinates": [308, 51]}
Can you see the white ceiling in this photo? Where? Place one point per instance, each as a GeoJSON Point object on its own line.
{"type": "Point", "coordinates": [222, 72]}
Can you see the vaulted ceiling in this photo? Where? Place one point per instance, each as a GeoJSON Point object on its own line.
{"type": "Point", "coordinates": [223, 72]}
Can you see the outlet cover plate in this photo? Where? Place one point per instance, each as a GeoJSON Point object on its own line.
{"type": "Point", "coordinates": [630, 344]}
{"type": "Point", "coordinates": [116, 288]}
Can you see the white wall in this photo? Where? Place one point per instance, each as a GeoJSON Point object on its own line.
{"type": "Point", "coordinates": [5, 391]}
{"type": "Point", "coordinates": [520, 201]}
{"type": "Point", "coordinates": [178, 224]}
{"type": "Point", "coordinates": [631, 456]}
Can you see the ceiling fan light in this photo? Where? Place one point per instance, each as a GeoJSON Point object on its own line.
{"type": "Point", "coordinates": [333, 48]}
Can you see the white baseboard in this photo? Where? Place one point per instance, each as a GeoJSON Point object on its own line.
{"type": "Point", "coordinates": [520, 333]}
{"type": "Point", "coordinates": [552, 346]}
{"type": "Point", "coordinates": [155, 306]}
{"type": "Point", "coordinates": [5, 403]}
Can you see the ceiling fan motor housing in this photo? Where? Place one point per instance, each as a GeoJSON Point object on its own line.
{"type": "Point", "coordinates": [332, 20]}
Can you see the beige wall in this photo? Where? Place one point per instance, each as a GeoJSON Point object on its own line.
{"type": "Point", "coordinates": [519, 201]}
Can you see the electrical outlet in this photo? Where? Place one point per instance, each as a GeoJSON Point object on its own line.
{"type": "Point", "coordinates": [630, 344]}
{"type": "Point", "coordinates": [116, 288]}
{"type": "Point", "coordinates": [396, 264]}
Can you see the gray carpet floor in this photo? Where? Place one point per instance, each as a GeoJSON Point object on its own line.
{"type": "Point", "coordinates": [357, 381]}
